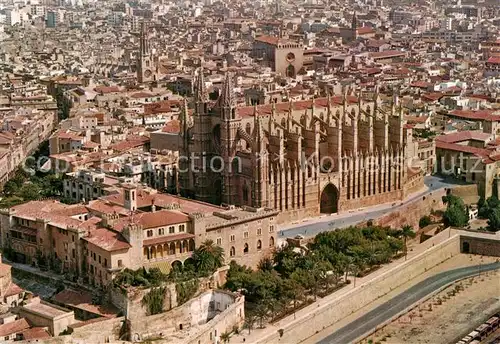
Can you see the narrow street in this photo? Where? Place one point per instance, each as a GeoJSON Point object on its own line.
{"type": "Point", "coordinates": [315, 226]}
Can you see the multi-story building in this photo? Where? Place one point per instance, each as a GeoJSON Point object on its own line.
{"type": "Point", "coordinates": [285, 57]}
{"type": "Point", "coordinates": [133, 228]}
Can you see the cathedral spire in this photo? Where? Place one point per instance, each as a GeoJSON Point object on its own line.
{"type": "Point", "coordinates": [144, 42]}
{"type": "Point", "coordinates": [201, 95]}
{"type": "Point", "coordinates": [227, 97]}
{"type": "Point", "coordinates": [184, 118]}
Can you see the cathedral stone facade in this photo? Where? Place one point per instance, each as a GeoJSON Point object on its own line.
{"type": "Point", "coordinates": [324, 155]}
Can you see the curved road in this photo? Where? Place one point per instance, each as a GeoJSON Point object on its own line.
{"type": "Point", "coordinates": [352, 218]}
{"type": "Point", "coordinates": [384, 312]}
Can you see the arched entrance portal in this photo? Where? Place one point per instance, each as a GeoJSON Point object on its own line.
{"type": "Point", "coordinates": [329, 199]}
{"type": "Point", "coordinates": [290, 71]}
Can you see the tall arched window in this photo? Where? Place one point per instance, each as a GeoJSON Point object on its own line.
{"type": "Point", "coordinates": [248, 128]}
{"type": "Point", "coordinates": [245, 249]}
{"type": "Point", "coordinates": [245, 192]}
{"type": "Point", "coordinates": [271, 242]}
{"type": "Point", "coordinates": [232, 252]}
{"type": "Point", "coordinates": [259, 245]}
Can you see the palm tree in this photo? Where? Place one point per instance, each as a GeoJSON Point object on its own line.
{"type": "Point", "coordinates": [208, 257]}
{"type": "Point", "coordinates": [407, 232]}
{"type": "Point", "coordinates": [225, 337]}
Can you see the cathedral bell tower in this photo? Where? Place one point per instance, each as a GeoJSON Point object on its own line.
{"type": "Point", "coordinates": [202, 182]}
{"type": "Point", "coordinates": [145, 65]}
{"type": "Point", "coordinates": [229, 131]}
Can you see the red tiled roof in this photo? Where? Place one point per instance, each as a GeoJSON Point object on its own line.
{"type": "Point", "coordinates": [464, 136]}
{"type": "Point", "coordinates": [364, 30]}
{"type": "Point", "coordinates": [107, 239]}
{"type": "Point", "coordinates": [14, 289]}
{"type": "Point", "coordinates": [129, 143]}
{"type": "Point", "coordinates": [152, 220]}
{"type": "Point", "coordinates": [479, 152]}
{"type": "Point", "coordinates": [107, 89]}
{"type": "Point", "coordinates": [387, 53]}
{"type": "Point", "coordinates": [432, 96]}
{"type": "Point", "coordinates": [416, 119]}
{"type": "Point", "coordinates": [476, 115]}
{"type": "Point", "coordinates": [13, 327]}
{"type": "Point", "coordinates": [173, 127]}
{"type": "Point", "coordinates": [421, 84]}
{"type": "Point", "coordinates": [139, 95]}
{"type": "Point", "coordinates": [494, 60]}
{"type": "Point", "coordinates": [161, 107]}
{"type": "Point", "coordinates": [35, 333]}
{"type": "Point", "coordinates": [168, 238]}
{"type": "Point", "coordinates": [83, 300]}
{"type": "Point", "coordinates": [268, 39]}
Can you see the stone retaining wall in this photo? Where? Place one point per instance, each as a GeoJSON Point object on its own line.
{"type": "Point", "coordinates": [328, 313]}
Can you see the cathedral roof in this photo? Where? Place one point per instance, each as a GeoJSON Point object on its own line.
{"type": "Point", "coordinates": [248, 111]}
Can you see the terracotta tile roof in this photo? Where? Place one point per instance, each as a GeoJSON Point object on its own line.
{"type": "Point", "coordinates": [464, 136]}
{"type": "Point", "coordinates": [159, 218]}
{"type": "Point", "coordinates": [494, 60]}
{"type": "Point", "coordinates": [416, 119]}
{"type": "Point", "coordinates": [161, 107]}
{"type": "Point", "coordinates": [104, 207]}
{"type": "Point", "coordinates": [133, 141]}
{"type": "Point", "coordinates": [72, 210]}
{"type": "Point", "coordinates": [173, 127]}
{"type": "Point", "coordinates": [433, 96]}
{"type": "Point", "coordinates": [83, 300]}
{"type": "Point", "coordinates": [365, 30]}
{"type": "Point", "coordinates": [107, 239]}
{"type": "Point", "coordinates": [421, 84]}
{"type": "Point", "coordinates": [35, 333]}
{"type": "Point", "coordinates": [481, 115]}
{"type": "Point", "coordinates": [45, 210]}
{"type": "Point", "coordinates": [387, 53]}
{"type": "Point", "coordinates": [168, 238]}
{"type": "Point", "coordinates": [139, 95]}
{"type": "Point", "coordinates": [268, 39]}
{"type": "Point", "coordinates": [16, 326]}
{"type": "Point", "coordinates": [14, 289]}
{"type": "Point", "coordinates": [479, 152]}
{"type": "Point", "coordinates": [107, 89]}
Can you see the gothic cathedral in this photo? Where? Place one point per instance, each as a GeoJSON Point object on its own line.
{"type": "Point", "coordinates": [303, 158]}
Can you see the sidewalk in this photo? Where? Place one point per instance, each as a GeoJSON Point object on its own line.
{"type": "Point", "coordinates": [313, 226]}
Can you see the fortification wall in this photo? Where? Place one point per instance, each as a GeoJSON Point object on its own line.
{"type": "Point", "coordinates": [411, 213]}
{"type": "Point", "coordinates": [323, 315]}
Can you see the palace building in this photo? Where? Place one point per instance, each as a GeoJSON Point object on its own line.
{"type": "Point", "coordinates": [303, 158]}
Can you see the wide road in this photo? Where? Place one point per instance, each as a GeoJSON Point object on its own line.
{"type": "Point", "coordinates": [384, 312]}
{"type": "Point", "coordinates": [351, 218]}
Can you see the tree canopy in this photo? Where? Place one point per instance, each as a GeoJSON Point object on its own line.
{"type": "Point", "coordinates": [292, 276]}
{"type": "Point", "coordinates": [490, 209]}
{"type": "Point", "coordinates": [456, 213]}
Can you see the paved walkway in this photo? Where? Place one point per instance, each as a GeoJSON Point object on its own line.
{"type": "Point", "coordinates": [312, 227]}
